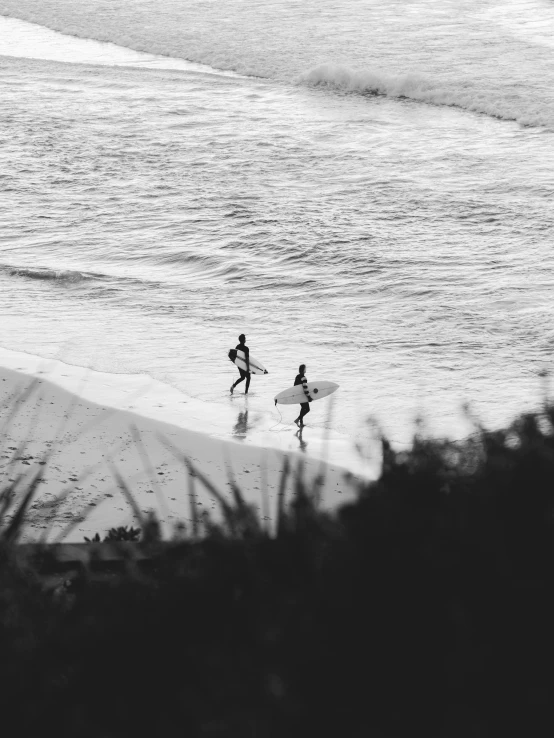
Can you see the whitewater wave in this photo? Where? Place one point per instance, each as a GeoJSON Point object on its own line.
{"type": "Point", "coordinates": [66, 38]}
{"type": "Point", "coordinates": [470, 54]}
{"type": "Point", "coordinates": [423, 90]}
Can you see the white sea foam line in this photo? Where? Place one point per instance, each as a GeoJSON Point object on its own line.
{"type": "Point", "coordinates": [30, 41]}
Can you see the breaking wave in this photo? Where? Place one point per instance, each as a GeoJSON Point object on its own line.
{"type": "Point", "coordinates": [503, 79]}
{"type": "Point", "coordinates": [481, 61]}
{"type": "Point", "coordinates": [420, 89]}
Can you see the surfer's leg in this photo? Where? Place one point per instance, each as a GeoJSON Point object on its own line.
{"type": "Point", "coordinates": [247, 383]}
{"type": "Point", "coordinates": [241, 378]}
{"type": "Point", "coordinates": [243, 375]}
{"type": "Point", "coordinates": [305, 409]}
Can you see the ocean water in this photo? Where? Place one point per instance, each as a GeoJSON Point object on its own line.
{"type": "Point", "coordinates": [364, 187]}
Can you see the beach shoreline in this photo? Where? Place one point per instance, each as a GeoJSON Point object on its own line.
{"type": "Point", "coordinates": [248, 419]}
{"type": "Point", "coordinates": [90, 426]}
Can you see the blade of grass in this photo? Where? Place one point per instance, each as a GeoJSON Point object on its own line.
{"type": "Point", "coordinates": [228, 512]}
{"type": "Point", "coordinates": [264, 491]}
{"type": "Point", "coordinates": [32, 425]}
{"type": "Point", "coordinates": [226, 508]}
{"type": "Point", "coordinates": [13, 529]}
{"type": "Point", "coordinates": [325, 457]}
{"type": "Point", "coordinates": [281, 497]}
{"type": "Point", "coordinates": [101, 497]}
{"type": "Point", "coordinates": [149, 469]}
{"type": "Point", "coordinates": [122, 485]}
{"type": "Point", "coordinates": [83, 476]}
{"type": "Point", "coordinates": [80, 518]}
{"type": "Point", "coordinates": [100, 418]}
{"type": "Point", "coordinates": [65, 493]}
{"type": "Point", "coordinates": [192, 502]}
{"type": "Point", "coordinates": [237, 494]}
{"type": "Point", "coordinates": [6, 497]}
{"type": "Point", "coordinates": [20, 399]}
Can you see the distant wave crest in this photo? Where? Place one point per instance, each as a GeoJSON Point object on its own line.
{"type": "Point", "coordinates": [43, 273]}
{"type": "Point", "coordinates": [418, 88]}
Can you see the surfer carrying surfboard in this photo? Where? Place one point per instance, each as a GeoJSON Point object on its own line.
{"type": "Point", "coordinates": [304, 406]}
{"type": "Point", "coordinates": [241, 346]}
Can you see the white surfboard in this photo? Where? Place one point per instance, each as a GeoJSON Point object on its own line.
{"type": "Point", "coordinates": [296, 394]}
{"type": "Point", "coordinates": [256, 367]}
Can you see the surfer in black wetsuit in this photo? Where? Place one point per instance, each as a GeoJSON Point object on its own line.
{"type": "Point", "coordinates": [304, 406]}
{"type": "Point", "coordinates": [241, 346]}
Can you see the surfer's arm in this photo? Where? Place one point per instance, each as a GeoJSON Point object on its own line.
{"type": "Point", "coordinates": [305, 388]}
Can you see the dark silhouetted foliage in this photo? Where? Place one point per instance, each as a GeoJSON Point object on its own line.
{"type": "Point", "coordinates": [425, 607]}
{"type": "Point", "coordinates": [122, 533]}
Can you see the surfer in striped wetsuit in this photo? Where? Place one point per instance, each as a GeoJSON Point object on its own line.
{"type": "Point", "coordinates": [304, 406]}
{"type": "Point", "coordinates": [241, 346]}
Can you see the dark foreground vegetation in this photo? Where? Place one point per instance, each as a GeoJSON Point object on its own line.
{"type": "Point", "coordinates": [424, 608]}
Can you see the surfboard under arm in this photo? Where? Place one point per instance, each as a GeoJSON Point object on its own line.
{"type": "Point", "coordinates": [296, 395]}
{"type": "Point", "coordinates": [239, 359]}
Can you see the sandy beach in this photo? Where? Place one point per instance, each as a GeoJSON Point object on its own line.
{"type": "Point", "coordinates": [52, 423]}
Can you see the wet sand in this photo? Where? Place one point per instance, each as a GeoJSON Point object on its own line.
{"type": "Point", "coordinates": [82, 435]}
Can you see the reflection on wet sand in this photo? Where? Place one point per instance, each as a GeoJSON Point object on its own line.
{"type": "Point", "coordinates": [241, 426]}
{"type": "Point", "coordinates": [302, 442]}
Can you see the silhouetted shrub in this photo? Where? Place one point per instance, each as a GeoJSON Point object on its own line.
{"type": "Point", "coordinates": [122, 533]}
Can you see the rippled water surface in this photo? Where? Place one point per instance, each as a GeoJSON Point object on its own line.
{"type": "Point", "coordinates": [400, 248]}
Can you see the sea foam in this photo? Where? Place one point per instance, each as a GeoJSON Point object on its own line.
{"type": "Point", "coordinates": [420, 89]}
